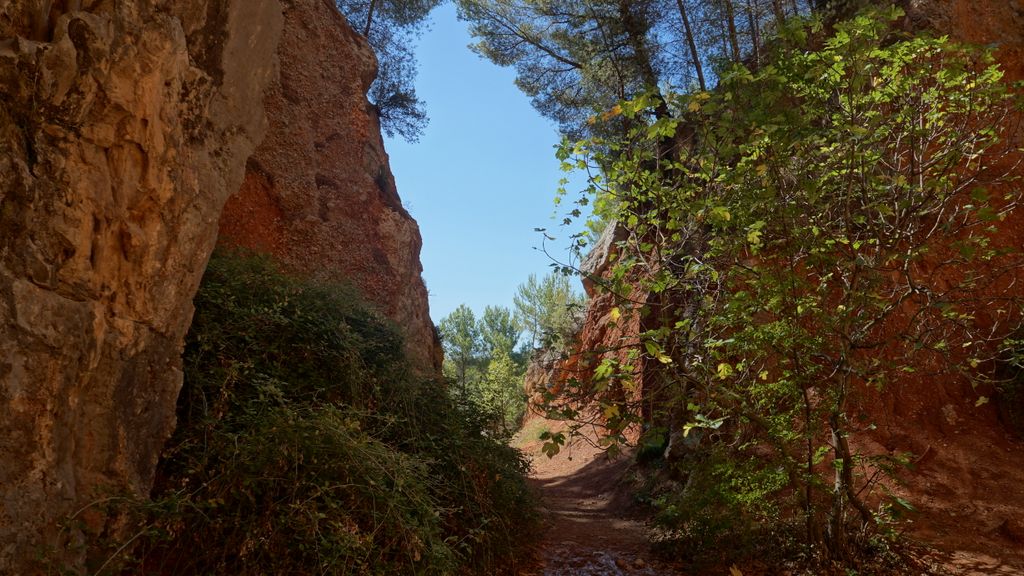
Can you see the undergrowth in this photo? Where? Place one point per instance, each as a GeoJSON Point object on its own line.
{"type": "Point", "coordinates": [707, 513]}
{"type": "Point", "coordinates": [1010, 397]}
{"type": "Point", "coordinates": [307, 445]}
{"type": "Point", "coordinates": [777, 233]}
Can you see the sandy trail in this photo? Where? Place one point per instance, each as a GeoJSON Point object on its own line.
{"type": "Point", "coordinates": [969, 500]}
{"type": "Point", "coordinates": [590, 528]}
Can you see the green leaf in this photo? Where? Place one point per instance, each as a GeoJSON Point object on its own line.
{"type": "Point", "coordinates": [550, 449]}
{"type": "Point", "coordinates": [904, 503]}
{"type": "Point", "coordinates": [724, 371]}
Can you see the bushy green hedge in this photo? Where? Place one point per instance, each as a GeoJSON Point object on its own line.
{"type": "Point", "coordinates": [307, 445]}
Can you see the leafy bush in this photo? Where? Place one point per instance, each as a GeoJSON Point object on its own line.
{"type": "Point", "coordinates": [306, 444]}
{"type": "Point", "coordinates": [721, 511]}
{"type": "Point", "coordinates": [806, 235]}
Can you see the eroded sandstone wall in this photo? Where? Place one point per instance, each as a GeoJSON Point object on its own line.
{"type": "Point", "coordinates": [968, 474]}
{"type": "Point", "coordinates": [124, 126]}
{"type": "Point", "coordinates": [946, 406]}
{"type": "Point", "coordinates": [318, 193]}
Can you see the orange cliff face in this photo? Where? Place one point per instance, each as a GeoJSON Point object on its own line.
{"type": "Point", "coordinates": [945, 406]}
{"type": "Point", "coordinates": [968, 477]}
{"type": "Point", "coordinates": [318, 193]}
{"type": "Point", "coordinates": [124, 126]}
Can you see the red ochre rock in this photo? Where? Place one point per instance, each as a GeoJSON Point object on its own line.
{"type": "Point", "coordinates": [962, 452]}
{"type": "Point", "coordinates": [318, 193]}
{"type": "Point", "coordinates": [124, 126]}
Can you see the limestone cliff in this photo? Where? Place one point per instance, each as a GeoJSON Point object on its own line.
{"type": "Point", "coordinates": [124, 126]}
{"type": "Point", "coordinates": [318, 193]}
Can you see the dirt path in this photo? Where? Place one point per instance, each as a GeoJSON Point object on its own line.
{"type": "Point", "coordinates": [590, 529]}
{"type": "Point", "coordinates": [970, 504]}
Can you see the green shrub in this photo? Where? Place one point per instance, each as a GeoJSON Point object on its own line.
{"type": "Point", "coordinates": [781, 237]}
{"type": "Point", "coordinates": [724, 513]}
{"type": "Point", "coordinates": [306, 445]}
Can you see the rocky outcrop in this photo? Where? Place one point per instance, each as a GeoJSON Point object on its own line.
{"type": "Point", "coordinates": [937, 406]}
{"type": "Point", "coordinates": [605, 332]}
{"type": "Point", "coordinates": [995, 23]}
{"type": "Point", "coordinates": [124, 126]}
{"type": "Point", "coordinates": [318, 193]}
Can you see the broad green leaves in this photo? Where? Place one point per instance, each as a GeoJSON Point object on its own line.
{"type": "Point", "coordinates": [788, 243]}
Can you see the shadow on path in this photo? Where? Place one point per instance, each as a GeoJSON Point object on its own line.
{"type": "Point", "coordinates": [592, 529]}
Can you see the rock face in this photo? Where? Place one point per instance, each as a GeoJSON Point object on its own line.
{"type": "Point", "coordinates": [124, 126]}
{"type": "Point", "coordinates": [947, 406]}
{"type": "Point", "coordinates": [968, 480]}
{"type": "Point", "coordinates": [318, 193]}
{"type": "Point", "coordinates": [998, 23]}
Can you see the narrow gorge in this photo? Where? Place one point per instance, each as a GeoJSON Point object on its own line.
{"type": "Point", "coordinates": [139, 138]}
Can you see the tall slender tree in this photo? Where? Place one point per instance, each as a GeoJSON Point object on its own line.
{"type": "Point", "coordinates": [460, 337]}
{"type": "Point", "coordinates": [499, 331]}
{"type": "Point", "coordinates": [691, 42]}
{"type": "Point", "coordinates": [574, 59]}
{"type": "Point", "coordinates": [547, 309]}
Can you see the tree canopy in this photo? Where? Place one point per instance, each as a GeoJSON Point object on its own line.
{"type": "Point", "coordinates": [577, 59]}
{"type": "Point", "coordinates": [499, 330]}
{"type": "Point", "coordinates": [460, 337]}
{"type": "Point", "coordinates": [480, 358]}
{"type": "Point", "coordinates": [548, 310]}
{"type": "Point", "coordinates": [391, 27]}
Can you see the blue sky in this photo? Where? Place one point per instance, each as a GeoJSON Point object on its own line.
{"type": "Point", "coordinates": [481, 178]}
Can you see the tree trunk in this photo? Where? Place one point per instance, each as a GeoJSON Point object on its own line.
{"type": "Point", "coordinates": [369, 18]}
{"type": "Point", "coordinates": [41, 25]}
{"type": "Point", "coordinates": [813, 529]}
{"type": "Point", "coordinates": [779, 12]}
{"type": "Point", "coordinates": [755, 34]}
{"type": "Point", "coordinates": [843, 493]}
{"type": "Point", "coordinates": [730, 24]}
{"type": "Point", "coordinates": [837, 541]}
{"type": "Point", "coordinates": [694, 55]}
{"type": "Point", "coordinates": [636, 36]}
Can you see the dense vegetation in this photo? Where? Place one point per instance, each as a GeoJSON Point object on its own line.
{"type": "Point", "coordinates": [307, 445]}
{"type": "Point", "coordinates": [549, 310]}
{"type": "Point", "coordinates": [815, 229]}
{"type": "Point", "coordinates": [483, 367]}
{"type": "Point", "coordinates": [576, 58]}
{"type": "Point", "coordinates": [484, 358]}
